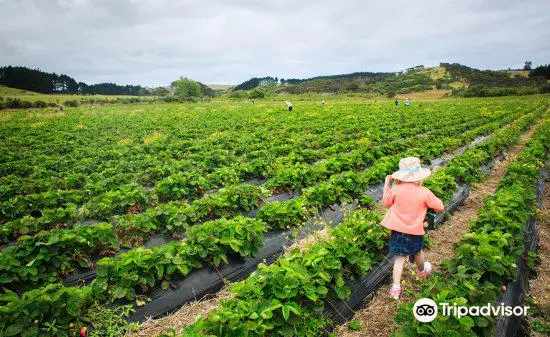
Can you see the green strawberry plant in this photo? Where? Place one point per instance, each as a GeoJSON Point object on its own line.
{"type": "Point", "coordinates": [181, 185]}
{"type": "Point", "coordinates": [293, 178]}
{"type": "Point", "coordinates": [141, 269]}
{"type": "Point", "coordinates": [50, 311]}
{"type": "Point", "coordinates": [286, 214]}
{"type": "Point", "coordinates": [30, 225]}
{"type": "Point", "coordinates": [229, 201]}
{"type": "Point", "coordinates": [103, 206]}
{"type": "Point", "coordinates": [43, 258]}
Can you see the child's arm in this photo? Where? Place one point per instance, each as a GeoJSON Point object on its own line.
{"type": "Point", "coordinates": [434, 202]}
{"type": "Point", "coordinates": [387, 197]}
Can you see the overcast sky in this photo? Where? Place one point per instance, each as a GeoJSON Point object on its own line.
{"type": "Point", "coordinates": [153, 42]}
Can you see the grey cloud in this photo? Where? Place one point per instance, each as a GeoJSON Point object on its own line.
{"type": "Point", "coordinates": [152, 42]}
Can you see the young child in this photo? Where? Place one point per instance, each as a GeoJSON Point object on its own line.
{"type": "Point", "coordinates": [408, 203]}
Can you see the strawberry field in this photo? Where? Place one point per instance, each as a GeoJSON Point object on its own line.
{"type": "Point", "coordinates": [102, 209]}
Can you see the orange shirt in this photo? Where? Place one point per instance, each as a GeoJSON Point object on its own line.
{"type": "Point", "coordinates": [408, 204]}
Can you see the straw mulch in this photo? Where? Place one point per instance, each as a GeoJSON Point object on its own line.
{"type": "Point", "coordinates": [185, 316]}
{"type": "Point", "coordinates": [540, 286]}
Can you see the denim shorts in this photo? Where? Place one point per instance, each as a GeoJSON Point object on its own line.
{"type": "Point", "coordinates": [405, 244]}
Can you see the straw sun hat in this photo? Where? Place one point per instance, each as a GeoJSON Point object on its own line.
{"type": "Point", "coordinates": [410, 170]}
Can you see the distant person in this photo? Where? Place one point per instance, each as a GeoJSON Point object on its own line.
{"type": "Point", "coordinates": [407, 102]}
{"type": "Point", "coordinates": [289, 105]}
{"type": "Point", "coordinates": [408, 203]}
{"type": "Point", "coordinates": [396, 102]}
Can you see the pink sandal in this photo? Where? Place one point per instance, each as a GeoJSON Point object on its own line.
{"type": "Point", "coordinates": [427, 270]}
{"type": "Point", "coordinates": [395, 293]}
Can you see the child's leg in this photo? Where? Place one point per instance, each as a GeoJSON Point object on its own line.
{"type": "Point", "coordinates": [419, 260]}
{"type": "Point", "coordinates": [398, 269]}
{"type": "Point", "coordinates": [424, 267]}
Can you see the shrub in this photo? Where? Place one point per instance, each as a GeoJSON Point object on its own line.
{"type": "Point", "coordinates": [16, 103]}
{"type": "Point", "coordinates": [186, 88]}
{"type": "Point", "coordinates": [256, 94]}
{"type": "Point", "coordinates": [237, 94]}
{"type": "Point", "coordinates": [545, 88]}
{"type": "Point", "coordinates": [39, 104]}
{"type": "Point", "coordinates": [71, 103]}
{"type": "Point", "coordinates": [170, 99]}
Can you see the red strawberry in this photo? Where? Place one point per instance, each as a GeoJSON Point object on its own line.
{"type": "Point", "coordinates": [83, 331]}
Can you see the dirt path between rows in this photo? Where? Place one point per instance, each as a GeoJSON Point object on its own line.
{"type": "Point", "coordinates": [376, 317]}
{"type": "Point", "coordinates": [540, 286]}
{"type": "Point", "coordinates": [183, 317]}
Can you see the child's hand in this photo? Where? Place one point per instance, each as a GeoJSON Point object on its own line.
{"type": "Point", "coordinates": [388, 179]}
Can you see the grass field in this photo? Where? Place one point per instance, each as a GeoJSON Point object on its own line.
{"type": "Point", "coordinates": [522, 73]}
{"type": "Point", "coordinates": [53, 98]}
{"type": "Point", "coordinates": [435, 72]}
{"type": "Point", "coordinates": [80, 185]}
{"type": "Point", "coordinates": [224, 87]}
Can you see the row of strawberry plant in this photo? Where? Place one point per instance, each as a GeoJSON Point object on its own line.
{"type": "Point", "coordinates": [71, 246]}
{"type": "Point", "coordinates": [485, 258]}
{"type": "Point", "coordinates": [466, 167]}
{"type": "Point", "coordinates": [48, 256]}
{"type": "Point", "coordinates": [208, 244]}
{"type": "Point", "coordinates": [286, 298]}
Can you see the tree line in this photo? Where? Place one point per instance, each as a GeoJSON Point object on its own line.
{"type": "Point", "coordinates": [337, 76]}
{"type": "Point", "coordinates": [255, 82]}
{"type": "Point", "coordinates": [51, 83]}
{"type": "Point", "coordinates": [542, 71]}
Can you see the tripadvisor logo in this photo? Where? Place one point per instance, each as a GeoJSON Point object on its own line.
{"type": "Point", "coordinates": [426, 310]}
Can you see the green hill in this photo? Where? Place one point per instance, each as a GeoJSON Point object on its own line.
{"type": "Point", "coordinates": [444, 80]}
{"type": "Point", "coordinates": [14, 92]}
